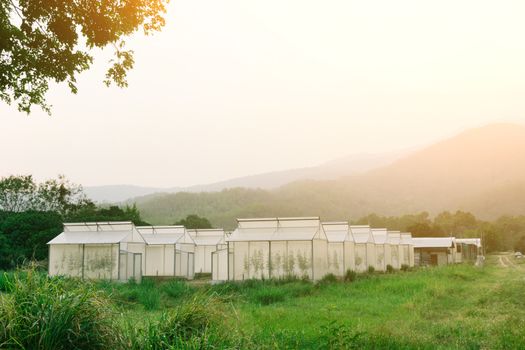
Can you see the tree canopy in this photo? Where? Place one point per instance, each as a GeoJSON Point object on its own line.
{"type": "Point", "coordinates": [43, 41]}
{"type": "Point", "coordinates": [194, 222]}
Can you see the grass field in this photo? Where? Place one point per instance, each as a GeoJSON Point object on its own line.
{"type": "Point", "coordinates": [459, 306]}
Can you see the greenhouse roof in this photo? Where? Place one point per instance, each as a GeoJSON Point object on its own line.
{"type": "Point", "coordinates": [277, 229]}
{"type": "Point", "coordinates": [207, 236]}
{"type": "Point", "coordinates": [406, 238]}
{"type": "Point", "coordinates": [362, 234]}
{"type": "Point", "coordinates": [337, 231]}
{"type": "Point", "coordinates": [394, 237]}
{"type": "Point", "coordinates": [95, 237]}
{"type": "Point", "coordinates": [164, 235]}
{"type": "Point", "coordinates": [380, 235]}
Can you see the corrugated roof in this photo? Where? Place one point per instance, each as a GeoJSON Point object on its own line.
{"type": "Point", "coordinates": [337, 231]}
{"type": "Point", "coordinates": [90, 237]}
{"type": "Point", "coordinates": [380, 235]}
{"type": "Point", "coordinates": [433, 242]}
{"type": "Point", "coordinates": [362, 234]}
{"type": "Point", "coordinates": [471, 241]}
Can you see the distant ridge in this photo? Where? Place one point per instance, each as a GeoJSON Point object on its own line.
{"type": "Point", "coordinates": [480, 170]}
{"type": "Point", "coordinates": [334, 169]}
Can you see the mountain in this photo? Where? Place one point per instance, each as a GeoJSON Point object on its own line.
{"type": "Point", "coordinates": [334, 169]}
{"type": "Point", "coordinates": [481, 170]}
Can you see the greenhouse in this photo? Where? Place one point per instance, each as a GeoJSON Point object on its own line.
{"type": "Point", "coordinates": [382, 246]}
{"type": "Point", "coordinates": [97, 250]}
{"type": "Point", "coordinates": [406, 247]}
{"type": "Point", "coordinates": [277, 248]}
{"type": "Point", "coordinates": [340, 254]}
{"type": "Point", "coordinates": [365, 252]}
{"type": "Point", "coordinates": [169, 251]}
{"type": "Point", "coordinates": [394, 238]}
{"type": "Point", "coordinates": [206, 241]}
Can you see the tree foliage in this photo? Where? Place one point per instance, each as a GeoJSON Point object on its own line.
{"type": "Point", "coordinates": [194, 222]}
{"type": "Point", "coordinates": [22, 193]}
{"type": "Point", "coordinates": [43, 41]}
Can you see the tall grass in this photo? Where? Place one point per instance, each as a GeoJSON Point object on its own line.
{"type": "Point", "coordinates": [52, 313]}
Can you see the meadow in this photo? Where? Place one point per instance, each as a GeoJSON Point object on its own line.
{"type": "Point", "coordinates": [458, 307]}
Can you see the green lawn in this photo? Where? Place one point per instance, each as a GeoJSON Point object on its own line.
{"type": "Point", "coordinates": [448, 307]}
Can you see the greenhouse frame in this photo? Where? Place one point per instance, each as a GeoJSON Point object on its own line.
{"type": "Point", "coordinates": [394, 238]}
{"type": "Point", "coordinates": [406, 249]}
{"type": "Point", "coordinates": [97, 250]}
{"type": "Point", "coordinates": [340, 252]}
{"type": "Point", "coordinates": [365, 252]}
{"type": "Point", "coordinates": [206, 241]}
{"type": "Point", "coordinates": [169, 251]}
{"type": "Point", "coordinates": [383, 249]}
{"type": "Point", "coordinates": [277, 248]}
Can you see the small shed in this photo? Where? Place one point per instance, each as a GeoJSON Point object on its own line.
{"type": "Point", "coordinates": [382, 246]}
{"type": "Point", "coordinates": [277, 248]}
{"type": "Point", "coordinates": [169, 251]}
{"type": "Point", "coordinates": [406, 249]}
{"type": "Point", "coordinates": [97, 250]}
{"type": "Point", "coordinates": [340, 254]}
{"type": "Point", "coordinates": [365, 253]}
{"type": "Point", "coordinates": [206, 241]}
{"type": "Point", "coordinates": [434, 250]}
{"type": "Point", "coordinates": [394, 238]}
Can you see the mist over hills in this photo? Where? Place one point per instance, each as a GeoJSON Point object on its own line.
{"type": "Point", "coordinates": [352, 164]}
{"type": "Point", "coordinates": [481, 170]}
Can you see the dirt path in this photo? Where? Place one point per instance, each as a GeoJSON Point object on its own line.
{"type": "Point", "coordinates": [501, 262]}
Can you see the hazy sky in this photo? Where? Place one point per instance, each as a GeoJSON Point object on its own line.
{"type": "Point", "coordinates": [232, 88]}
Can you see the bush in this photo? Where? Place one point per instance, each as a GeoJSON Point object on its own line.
{"type": "Point", "coordinates": [405, 267]}
{"type": "Point", "coordinates": [39, 312]}
{"type": "Point", "coordinates": [389, 268]}
{"type": "Point", "coordinates": [371, 269]}
{"type": "Point", "coordinates": [328, 279]}
{"type": "Point", "coordinates": [350, 275]}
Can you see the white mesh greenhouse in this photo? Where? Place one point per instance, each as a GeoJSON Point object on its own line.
{"type": "Point", "coordinates": [383, 251]}
{"type": "Point", "coordinates": [406, 249]}
{"type": "Point", "coordinates": [169, 251]}
{"type": "Point", "coordinates": [207, 241]}
{"type": "Point", "coordinates": [394, 238]}
{"type": "Point", "coordinates": [364, 247]}
{"type": "Point", "coordinates": [97, 250]}
{"type": "Point", "coordinates": [340, 253]}
{"type": "Point", "coordinates": [277, 248]}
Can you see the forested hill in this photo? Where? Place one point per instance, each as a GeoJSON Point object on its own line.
{"type": "Point", "coordinates": [481, 170]}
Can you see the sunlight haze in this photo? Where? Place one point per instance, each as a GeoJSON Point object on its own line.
{"type": "Point", "coordinates": [233, 88]}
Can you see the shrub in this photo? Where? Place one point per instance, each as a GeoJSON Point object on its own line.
{"type": "Point", "coordinates": [405, 267]}
{"type": "Point", "coordinates": [39, 312]}
{"type": "Point", "coordinates": [328, 279]}
{"type": "Point", "coordinates": [350, 275]}
{"type": "Point", "coordinates": [389, 268]}
{"type": "Point", "coordinates": [371, 269]}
